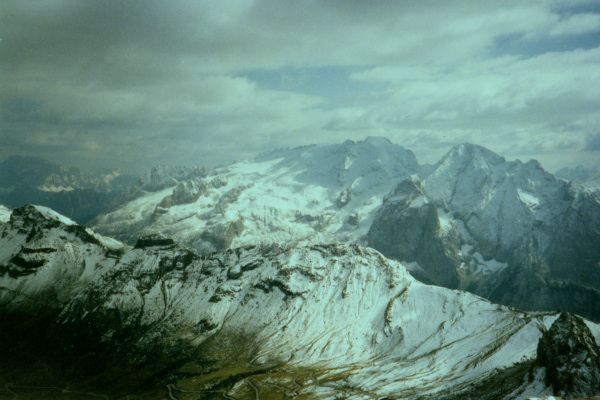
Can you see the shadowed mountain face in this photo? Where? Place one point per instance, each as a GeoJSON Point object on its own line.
{"type": "Point", "coordinates": [571, 357]}
{"type": "Point", "coordinates": [315, 321]}
{"type": "Point", "coordinates": [508, 231]}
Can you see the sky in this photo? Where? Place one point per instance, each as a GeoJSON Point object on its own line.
{"type": "Point", "coordinates": [130, 84]}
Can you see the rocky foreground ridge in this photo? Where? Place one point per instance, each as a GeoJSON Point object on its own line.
{"type": "Point", "coordinates": [315, 321]}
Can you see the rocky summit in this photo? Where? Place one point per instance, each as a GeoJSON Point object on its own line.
{"type": "Point", "coordinates": [571, 357]}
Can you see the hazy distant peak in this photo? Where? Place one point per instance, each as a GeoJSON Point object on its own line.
{"type": "Point", "coordinates": [469, 152]}
{"type": "Point", "coordinates": [343, 163]}
{"type": "Point", "coordinates": [371, 146]}
{"type": "Point", "coordinates": [378, 140]}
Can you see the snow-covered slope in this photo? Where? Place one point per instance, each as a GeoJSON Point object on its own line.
{"type": "Point", "coordinates": [321, 321]}
{"type": "Point", "coordinates": [359, 322]}
{"type": "Point", "coordinates": [509, 231]}
{"type": "Point", "coordinates": [305, 194]}
{"type": "Point", "coordinates": [4, 213]}
{"type": "Point", "coordinates": [44, 255]}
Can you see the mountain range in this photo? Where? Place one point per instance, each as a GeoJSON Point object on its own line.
{"type": "Point", "coordinates": [317, 321]}
{"type": "Point", "coordinates": [505, 230]}
{"type": "Point", "coordinates": [80, 195]}
{"type": "Point", "coordinates": [321, 272]}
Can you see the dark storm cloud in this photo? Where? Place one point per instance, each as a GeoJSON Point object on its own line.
{"type": "Point", "coordinates": [132, 83]}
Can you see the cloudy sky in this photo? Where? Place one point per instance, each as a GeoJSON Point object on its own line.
{"type": "Point", "coordinates": [133, 83]}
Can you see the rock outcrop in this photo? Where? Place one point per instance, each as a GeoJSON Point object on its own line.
{"type": "Point", "coordinates": [571, 358]}
{"type": "Point", "coordinates": [407, 227]}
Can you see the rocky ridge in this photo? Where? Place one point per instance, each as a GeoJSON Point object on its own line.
{"type": "Point", "coordinates": [317, 321]}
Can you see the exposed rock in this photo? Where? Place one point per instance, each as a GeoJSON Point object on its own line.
{"type": "Point", "coordinates": [163, 176]}
{"type": "Point", "coordinates": [188, 191]}
{"type": "Point", "coordinates": [228, 198]}
{"type": "Point", "coordinates": [505, 230]}
{"type": "Point", "coordinates": [77, 194]}
{"type": "Point", "coordinates": [29, 217]}
{"type": "Point", "coordinates": [407, 228]}
{"type": "Point", "coordinates": [587, 177]}
{"type": "Point", "coordinates": [353, 219]}
{"type": "Point", "coordinates": [571, 357]}
{"type": "Point", "coordinates": [220, 236]}
{"type": "Point", "coordinates": [288, 195]}
{"type": "Point", "coordinates": [343, 198]}
{"type": "Point", "coordinates": [152, 240]}
{"type": "Point", "coordinates": [512, 232]}
{"type": "Point", "coordinates": [184, 193]}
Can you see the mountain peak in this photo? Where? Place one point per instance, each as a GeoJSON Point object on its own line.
{"type": "Point", "coordinates": [378, 140]}
{"type": "Point", "coordinates": [470, 151]}
{"type": "Point", "coordinates": [31, 214]}
{"type": "Point", "coordinates": [341, 164]}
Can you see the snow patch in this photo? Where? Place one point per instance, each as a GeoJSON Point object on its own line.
{"type": "Point", "coordinates": [446, 221]}
{"type": "Point", "coordinates": [418, 202]}
{"type": "Point", "coordinates": [51, 214]}
{"type": "Point", "coordinates": [4, 214]}
{"type": "Point", "coordinates": [528, 199]}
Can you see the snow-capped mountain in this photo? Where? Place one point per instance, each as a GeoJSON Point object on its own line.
{"type": "Point", "coordinates": [44, 255]}
{"type": "Point", "coordinates": [17, 171]}
{"type": "Point", "coordinates": [164, 176]}
{"type": "Point", "coordinates": [508, 231]}
{"type": "Point", "coordinates": [305, 194]}
{"type": "Point", "coordinates": [320, 321]}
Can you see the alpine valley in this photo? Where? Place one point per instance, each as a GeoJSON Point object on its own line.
{"type": "Point", "coordinates": [345, 271]}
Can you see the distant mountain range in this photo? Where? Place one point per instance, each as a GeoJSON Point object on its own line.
{"type": "Point", "coordinates": [586, 176]}
{"type": "Point", "coordinates": [80, 195]}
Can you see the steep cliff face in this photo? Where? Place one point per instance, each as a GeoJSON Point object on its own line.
{"type": "Point", "coordinates": [507, 231]}
{"type": "Point", "coordinates": [411, 228]}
